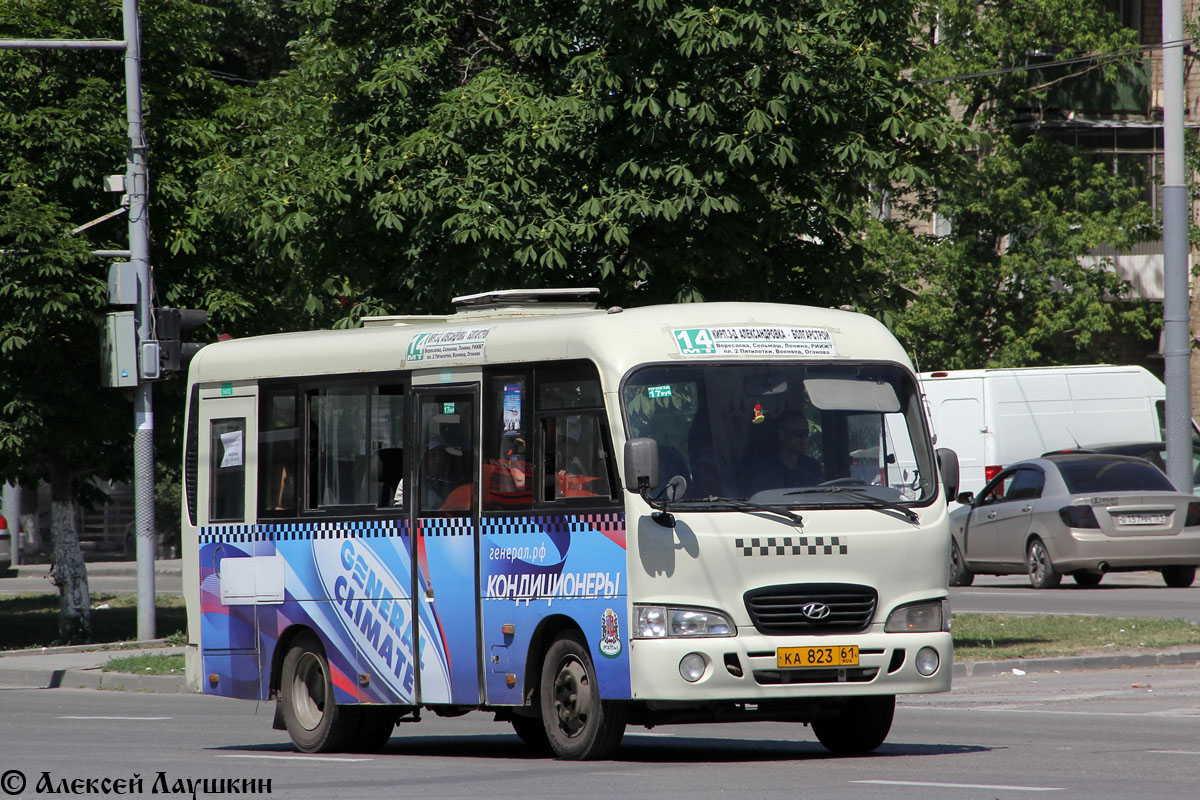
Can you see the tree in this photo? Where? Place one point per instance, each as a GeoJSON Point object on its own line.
{"type": "Point", "coordinates": [1006, 286]}
{"type": "Point", "coordinates": [62, 128]}
{"type": "Point", "coordinates": [661, 150]}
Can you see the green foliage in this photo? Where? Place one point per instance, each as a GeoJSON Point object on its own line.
{"type": "Point", "coordinates": [661, 150]}
{"type": "Point", "coordinates": [62, 128]}
{"type": "Point", "coordinates": [1009, 286]}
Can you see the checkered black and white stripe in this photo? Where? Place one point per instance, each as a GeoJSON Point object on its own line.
{"type": "Point", "coordinates": [792, 546]}
{"type": "Point", "coordinates": [303, 531]}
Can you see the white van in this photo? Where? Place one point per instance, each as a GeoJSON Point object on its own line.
{"type": "Point", "coordinates": [994, 417]}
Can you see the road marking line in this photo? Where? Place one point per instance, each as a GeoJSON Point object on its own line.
{"type": "Point", "coordinates": [1176, 752]}
{"type": "Point", "coordinates": [136, 719]}
{"type": "Point", "coordinates": [297, 758]}
{"type": "Point", "coordinates": [985, 786]}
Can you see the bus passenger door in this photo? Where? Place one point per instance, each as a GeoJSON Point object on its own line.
{"type": "Point", "coordinates": [234, 577]}
{"type": "Point", "coordinates": [446, 511]}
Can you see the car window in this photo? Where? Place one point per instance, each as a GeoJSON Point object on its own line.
{"type": "Point", "coordinates": [997, 490]}
{"type": "Point", "coordinates": [1027, 484]}
{"type": "Point", "coordinates": [1103, 475]}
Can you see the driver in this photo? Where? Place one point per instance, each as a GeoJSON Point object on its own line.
{"type": "Point", "coordinates": [786, 464]}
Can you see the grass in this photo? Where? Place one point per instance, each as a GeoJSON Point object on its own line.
{"type": "Point", "coordinates": [987, 637]}
{"type": "Point", "coordinates": [146, 665]}
{"type": "Point", "coordinates": [31, 620]}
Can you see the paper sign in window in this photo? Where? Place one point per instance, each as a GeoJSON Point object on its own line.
{"type": "Point", "coordinates": [231, 445]}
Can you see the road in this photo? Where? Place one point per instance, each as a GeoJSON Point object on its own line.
{"type": "Point", "coordinates": [1128, 594]}
{"type": "Point", "coordinates": [36, 578]}
{"type": "Point", "coordinates": [1122, 594]}
{"type": "Point", "coordinates": [1104, 735]}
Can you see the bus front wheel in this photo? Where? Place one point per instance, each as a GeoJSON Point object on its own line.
{"type": "Point", "coordinates": [314, 721]}
{"type": "Point", "coordinates": [579, 725]}
{"type": "Point", "coordinates": [861, 725]}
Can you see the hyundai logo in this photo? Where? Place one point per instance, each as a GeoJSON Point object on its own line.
{"type": "Point", "coordinates": [815, 610]}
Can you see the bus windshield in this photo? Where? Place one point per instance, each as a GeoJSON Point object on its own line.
{"type": "Point", "coordinates": [811, 434]}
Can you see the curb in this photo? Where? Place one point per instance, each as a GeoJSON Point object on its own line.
{"type": "Point", "coordinates": [64, 668]}
{"type": "Point", "coordinates": [964, 669]}
{"type": "Point", "coordinates": [91, 678]}
{"type": "Point", "coordinates": [107, 569]}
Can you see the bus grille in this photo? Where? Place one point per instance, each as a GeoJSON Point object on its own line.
{"type": "Point", "coordinates": [780, 610]}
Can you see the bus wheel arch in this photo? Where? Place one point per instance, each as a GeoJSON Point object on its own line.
{"type": "Point", "coordinates": [547, 631]}
{"type": "Point", "coordinates": [282, 645]}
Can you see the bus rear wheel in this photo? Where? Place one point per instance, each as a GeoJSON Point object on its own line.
{"type": "Point", "coordinates": [314, 721]}
{"type": "Point", "coordinates": [579, 725]}
{"type": "Point", "coordinates": [861, 725]}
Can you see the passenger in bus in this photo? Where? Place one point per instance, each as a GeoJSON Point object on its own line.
{"type": "Point", "coordinates": [787, 464]}
{"type": "Point", "coordinates": [438, 481]}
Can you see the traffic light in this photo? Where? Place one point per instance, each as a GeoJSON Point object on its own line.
{"type": "Point", "coordinates": [170, 324]}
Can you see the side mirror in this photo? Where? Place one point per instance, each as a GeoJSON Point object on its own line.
{"type": "Point", "coordinates": [947, 461]}
{"type": "Point", "coordinates": [641, 464]}
{"type": "Point", "coordinates": [966, 498]}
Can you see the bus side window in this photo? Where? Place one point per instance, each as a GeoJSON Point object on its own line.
{"type": "Point", "coordinates": [575, 457]}
{"type": "Point", "coordinates": [574, 450]}
{"type": "Point", "coordinates": [507, 460]}
{"type": "Point", "coordinates": [228, 470]}
{"type": "Point", "coordinates": [278, 446]}
{"type": "Point", "coordinates": [387, 443]}
{"type": "Point", "coordinates": [338, 463]}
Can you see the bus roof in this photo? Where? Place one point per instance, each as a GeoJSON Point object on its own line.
{"type": "Point", "coordinates": [616, 339]}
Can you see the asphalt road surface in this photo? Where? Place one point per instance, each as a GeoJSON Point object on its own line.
{"type": "Point", "coordinates": [1102, 735]}
{"type": "Point", "coordinates": [1121, 594]}
{"type": "Point", "coordinates": [1126, 594]}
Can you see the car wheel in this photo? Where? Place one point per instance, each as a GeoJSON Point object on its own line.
{"type": "Point", "coordinates": [1087, 580]}
{"type": "Point", "coordinates": [1179, 577]}
{"type": "Point", "coordinates": [314, 721]}
{"type": "Point", "coordinates": [579, 725]}
{"type": "Point", "coordinates": [1042, 573]}
{"type": "Point", "coordinates": [959, 574]}
{"type": "Point", "coordinates": [861, 725]}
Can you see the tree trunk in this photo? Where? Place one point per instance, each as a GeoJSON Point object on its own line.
{"type": "Point", "coordinates": [70, 573]}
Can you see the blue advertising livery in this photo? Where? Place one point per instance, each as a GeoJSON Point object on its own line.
{"type": "Point", "coordinates": [399, 629]}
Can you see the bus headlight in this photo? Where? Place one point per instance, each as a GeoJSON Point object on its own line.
{"type": "Point", "coordinates": [665, 622]}
{"type": "Point", "coordinates": [926, 617]}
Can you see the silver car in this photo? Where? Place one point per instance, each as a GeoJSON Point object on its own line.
{"type": "Point", "coordinates": [1082, 514]}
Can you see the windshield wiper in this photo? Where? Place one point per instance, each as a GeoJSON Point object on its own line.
{"type": "Point", "coordinates": [714, 503]}
{"type": "Point", "coordinates": [858, 494]}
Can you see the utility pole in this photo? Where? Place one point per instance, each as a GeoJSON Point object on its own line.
{"type": "Point", "coordinates": [136, 188]}
{"type": "Point", "coordinates": [1177, 337]}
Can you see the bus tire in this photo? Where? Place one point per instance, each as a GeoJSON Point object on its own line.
{"type": "Point", "coordinates": [532, 731]}
{"type": "Point", "coordinates": [579, 725]}
{"type": "Point", "coordinates": [373, 727]}
{"type": "Point", "coordinates": [314, 721]}
{"type": "Point", "coordinates": [861, 725]}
